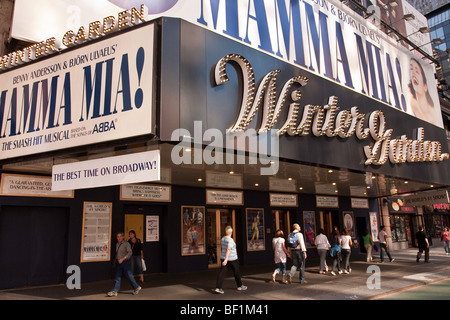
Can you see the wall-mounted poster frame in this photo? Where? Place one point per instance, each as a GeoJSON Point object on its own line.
{"type": "Point", "coordinates": [192, 230]}
{"type": "Point", "coordinates": [349, 222]}
{"type": "Point", "coordinates": [255, 229]}
{"type": "Point", "coordinates": [96, 231]}
{"type": "Point", "coordinates": [309, 224]}
{"type": "Point", "coordinates": [373, 226]}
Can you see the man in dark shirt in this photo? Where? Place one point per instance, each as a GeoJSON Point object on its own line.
{"type": "Point", "coordinates": [422, 243]}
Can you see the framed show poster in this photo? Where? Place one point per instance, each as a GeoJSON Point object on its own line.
{"type": "Point", "coordinates": [309, 223]}
{"type": "Point", "coordinates": [255, 229]}
{"type": "Point", "coordinates": [192, 230]}
{"type": "Point", "coordinates": [373, 226]}
{"type": "Point", "coordinates": [96, 232]}
{"type": "Point", "coordinates": [349, 223]}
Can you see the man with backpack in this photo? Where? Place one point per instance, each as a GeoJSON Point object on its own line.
{"type": "Point", "coordinates": [296, 244]}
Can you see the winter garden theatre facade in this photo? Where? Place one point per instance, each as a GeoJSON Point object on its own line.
{"type": "Point", "coordinates": [255, 116]}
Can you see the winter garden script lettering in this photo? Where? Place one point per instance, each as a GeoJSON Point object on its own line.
{"type": "Point", "coordinates": [322, 120]}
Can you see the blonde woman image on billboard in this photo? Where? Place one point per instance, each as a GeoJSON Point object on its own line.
{"type": "Point", "coordinates": [421, 103]}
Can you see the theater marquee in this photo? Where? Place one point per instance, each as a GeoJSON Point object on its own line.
{"type": "Point", "coordinates": [84, 96]}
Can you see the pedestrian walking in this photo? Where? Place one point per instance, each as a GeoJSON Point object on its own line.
{"type": "Point", "coordinates": [335, 251]}
{"type": "Point", "coordinates": [322, 245]}
{"type": "Point", "coordinates": [346, 247]}
{"type": "Point", "coordinates": [137, 254]}
{"type": "Point", "coordinates": [384, 245]}
{"type": "Point", "coordinates": [123, 266]}
{"type": "Point", "coordinates": [423, 245]}
{"type": "Point", "coordinates": [229, 260]}
{"type": "Point", "coordinates": [445, 240]}
{"type": "Point", "coordinates": [280, 255]}
{"type": "Point", "coordinates": [368, 244]}
{"type": "Point", "coordinates": [298, 252]}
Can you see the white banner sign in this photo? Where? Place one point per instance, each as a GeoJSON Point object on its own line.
{"type": "Point", "coordinates": [130, 168]}
{"type": "Point", "coordinates": [97, 93]}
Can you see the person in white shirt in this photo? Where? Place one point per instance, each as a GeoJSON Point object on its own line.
{"type": "Point", "coordinates": [298, 256]}
{"type": "Point", "coordinates": [322, 246]}
{"type": "Point", "coordinates": [280, 253]}
{"type": "Point", "coordinates": [384, 245]}
{"type": "Point", "coordinates": [346, 250]}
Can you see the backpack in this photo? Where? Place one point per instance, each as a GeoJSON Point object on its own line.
{"type": "Point", "coordinates": [292, 240]}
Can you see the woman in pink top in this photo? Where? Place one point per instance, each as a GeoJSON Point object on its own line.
{"type": "Point", "coordinates": [445, 240]}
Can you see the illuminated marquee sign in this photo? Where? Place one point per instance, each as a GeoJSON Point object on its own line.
{"type": "Point", "coordinates": [322, 120]}
{"type": "Point", "coordinates": [96, 29]}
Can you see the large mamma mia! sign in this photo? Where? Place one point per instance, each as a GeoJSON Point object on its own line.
{"type": "Point", "coordinates": [324, 37]}
{"type": "Point", "coordinates": [97, 93]}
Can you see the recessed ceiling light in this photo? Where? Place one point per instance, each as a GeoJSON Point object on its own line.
{"type": "Point", "coordinates": [334, 183]}
{"type": "Point", "coordinates": [330, 171]}
{"type": "Point", "coordinates": [368, 187]}
{"type": "Point", "coordinates": [432, 186]}
{"type": "Point", "coordinates": [373, 177]}
{"type": "Point", "coordinates": [406, 182]}
{"type": "Point", "coordinates": [289, 179]}
{"type": "Point", "coordinates": [199, 179]}
{"type": "Point", "coordinates": [188, 149]}
{"type": "Point", "coordinates": [256, 184]}
{"type": "Point", "coordinates": [231, 172]}
{"type": "Point", "coordinates": [301, 188]}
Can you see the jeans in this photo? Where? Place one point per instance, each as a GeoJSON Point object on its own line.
{"type": "Point", "coordinates": [323, 259]}
{"type": "Point", "coordinates": [233, 265]}
{"type": "Point", "coordinates": [124, 268]}
{"type": "Point", "coordinates": [346, 259]}
{"type": "Point", "coordinates": [336, 262]}
{"type": "Point", "coordinates": [281, 266]}
{"type": "Point", "coordinates": [385, 248]}
{"type": "Point", "coordinates": [136, 261]}
{"type": "Point", "coordinates": [447, 246]}
{"type": "Point", "coordinates": [298, 260]}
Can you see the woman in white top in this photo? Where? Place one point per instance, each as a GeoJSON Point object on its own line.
{"type": "Point", "coordinates": [322, 246]}
{"type": "Point", "coordinates": [280, 252]}
{"type": "Point", "coordinates": [346, 250]}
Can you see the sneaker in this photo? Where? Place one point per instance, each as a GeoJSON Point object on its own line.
{"type": "Point", "coordinates": [220, 291]}
{"type": "Point", "coordinates": [340, 271]}
{"type": "Point", "coordinates": [137, 290]}
{"type": "Point", "coordinates": [112, 294]}
{"type": "Point", "coordinates": [303, 282]}
{"type": "Point", "coordinates": [349, 270]}
{"type": "Point", "coordinates": [333, 273]}
{"type": "Point", "coordinates": [322, 272]}
{"type": "Point", "coordinates": [326, 268]}
{"type": "Point", "coordinates": [346, 272]}
{"type": "Point", "coordinates": [242, 288]}
{"type": "Point", "coordinates": [392, 260]}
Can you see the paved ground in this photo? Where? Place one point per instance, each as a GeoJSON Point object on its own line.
{"type": "Point", "coordinates": [402, 274]}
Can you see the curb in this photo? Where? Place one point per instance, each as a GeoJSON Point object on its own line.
{"type": "Point", "coordinates": [422, 283]}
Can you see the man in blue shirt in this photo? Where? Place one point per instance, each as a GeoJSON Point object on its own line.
{"type": "Point", "coordinates": [230, 260]}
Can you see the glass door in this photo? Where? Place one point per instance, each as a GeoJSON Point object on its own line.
{"type": "Point", "coordinates": [281, 221]}
{"type": "Point", "coordinates": [216, 222]}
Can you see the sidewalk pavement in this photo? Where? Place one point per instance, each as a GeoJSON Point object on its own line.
{"type": "Point", "coordinates": [403, 273]}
